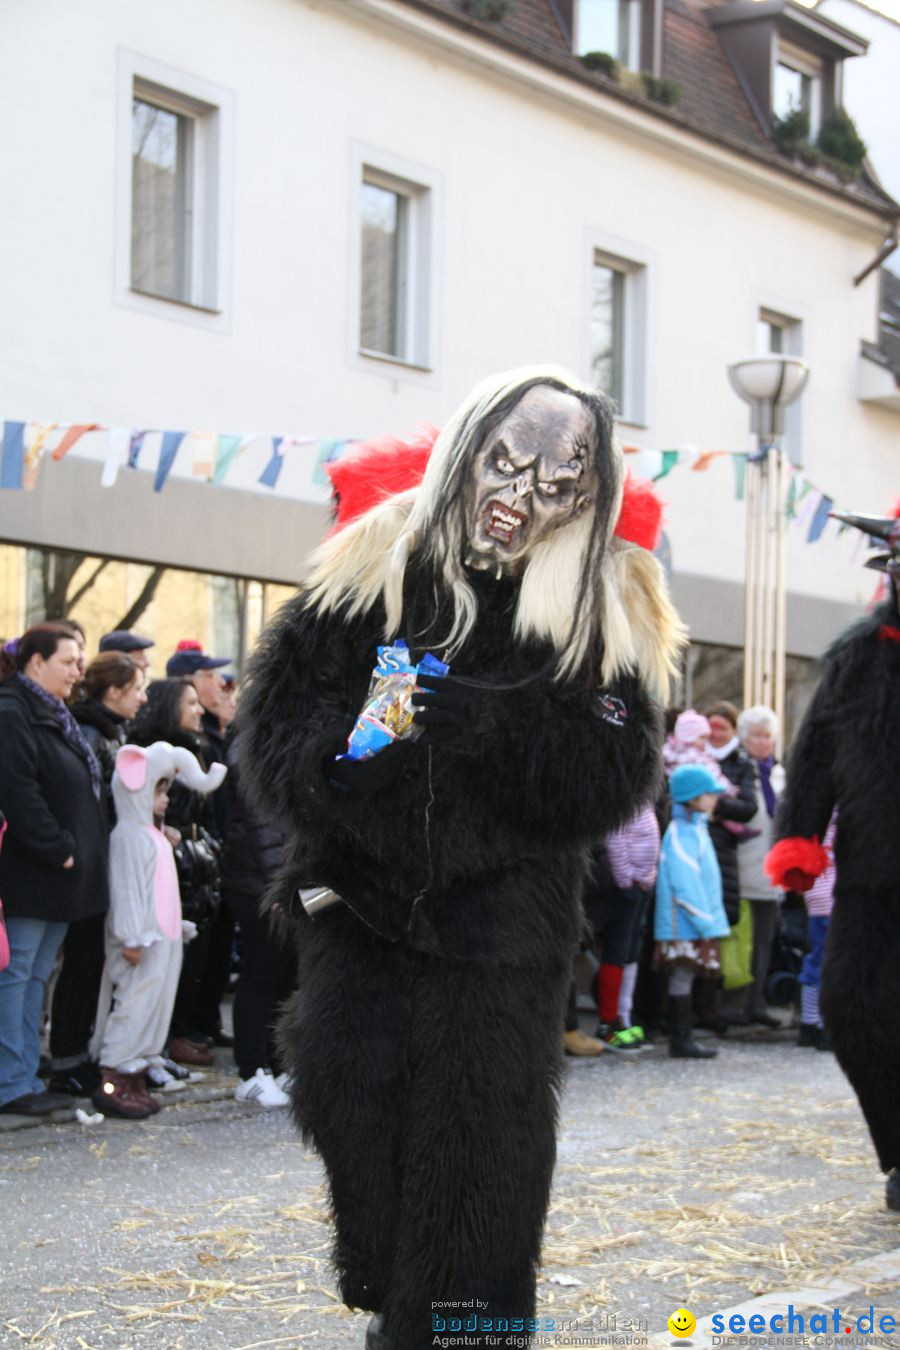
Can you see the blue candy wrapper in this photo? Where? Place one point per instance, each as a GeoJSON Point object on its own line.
{"type": "Point", "coordinates": [387, 714]}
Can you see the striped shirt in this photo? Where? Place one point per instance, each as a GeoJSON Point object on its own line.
{"type": "Point", "coordinates": [820, 896]}
{"type": "Point", "coordinates": [633, 851]}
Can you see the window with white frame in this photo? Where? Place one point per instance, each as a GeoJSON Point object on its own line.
{"type": "Point", "coordinates": [175, 184]}
{"type": "Point", "coordinates": [618, 330]}
{"type": "Point", "coordinates": [797, 84]}
{"type": "Point", "coordinates": [394, 244]}
{"type": "Point", "coordinates": [612, 26]}
{"type": "Point", "coordinates": [782, 335]}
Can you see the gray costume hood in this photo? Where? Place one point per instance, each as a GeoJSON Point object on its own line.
{"type": "Point", "coordinates": [139, 769]}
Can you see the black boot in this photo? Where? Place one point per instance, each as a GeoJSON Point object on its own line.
{"type": "Point", "coordinates": [376, 1337]}
{"type": "Point", "coordinates": [892, 1190]}
{"type": "Point", "coordinates": [682, 1045]}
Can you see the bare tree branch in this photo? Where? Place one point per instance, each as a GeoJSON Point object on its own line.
{"type": "Point", "coordinates": [82, 591]}
{"type": "Point", "coordinates": [143, 600]}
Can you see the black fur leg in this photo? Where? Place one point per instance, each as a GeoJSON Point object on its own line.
{"type": "Point", "coordinates": [859, 1006]}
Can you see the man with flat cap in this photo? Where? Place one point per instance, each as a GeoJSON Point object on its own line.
{"type": "Point", "coordinates": [190, 661]}
{"type": "Point", "coordinates": [132, 644]}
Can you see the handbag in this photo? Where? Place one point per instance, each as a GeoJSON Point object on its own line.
{"type": "Point", "coordinates": [197, 864]}
{"type": "Point", "coordinates": [735, 952]}
{"type": "Point", "coordinates": [4, 936]}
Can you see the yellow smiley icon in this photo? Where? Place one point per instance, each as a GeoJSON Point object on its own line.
{"type": "Point", "coordinates": [682, 1322]}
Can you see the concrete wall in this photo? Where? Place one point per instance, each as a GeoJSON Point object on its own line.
{"type": "Point", "coordinates": [526, 175]}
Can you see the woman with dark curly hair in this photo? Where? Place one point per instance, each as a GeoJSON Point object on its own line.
{"type": "Point", "coordinates": [174, 713]}
{"type": "Point", "coordinates": [113, 691]}
{"type": "Point", "coordinates": [54, 864]}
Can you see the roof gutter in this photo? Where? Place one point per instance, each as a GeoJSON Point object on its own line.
{"type": "Point", "coordinates": [434, 27]}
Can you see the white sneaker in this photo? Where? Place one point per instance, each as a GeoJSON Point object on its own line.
{"type": "Point", "coordinates": [262, 1089]}
{"type": "Point", "coordinates": [163, 1080]}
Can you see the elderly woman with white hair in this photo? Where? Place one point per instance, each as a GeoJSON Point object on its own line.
{"type": "Point", "coordinates": [758, 729]}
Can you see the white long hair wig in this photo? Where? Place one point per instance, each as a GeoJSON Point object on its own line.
{"type": "Point", "coordinates": [579, 585]}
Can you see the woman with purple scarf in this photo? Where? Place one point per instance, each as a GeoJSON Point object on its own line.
{"type": "Point", "coordinates": [757, 729]}
{"type": "Point", "coordinates": [53, 868]}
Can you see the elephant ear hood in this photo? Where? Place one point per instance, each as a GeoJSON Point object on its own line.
{"type": "Point", "coordinates": [139, 768]}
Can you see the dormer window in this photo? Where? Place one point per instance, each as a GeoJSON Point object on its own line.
{"type": "Point", "coordinates": [788, 57]}
{"type": "Point", "coordinates": [612, 26]}
{"type": "Point", "coordinates": [797, 84]}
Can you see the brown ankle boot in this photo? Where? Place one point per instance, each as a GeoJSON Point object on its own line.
{"type": "Point", "coordinates": [142, 1092]}
{"type": "Point", "coordinates": [116, 1096]}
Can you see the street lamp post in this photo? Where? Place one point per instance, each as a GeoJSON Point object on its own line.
{"type": "Point", "coordinates": [768, 384]}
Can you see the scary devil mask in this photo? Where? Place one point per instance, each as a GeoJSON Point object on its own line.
{"type": "Point", "coordinates": [533, 475]}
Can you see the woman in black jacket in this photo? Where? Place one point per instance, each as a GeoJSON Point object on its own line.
{"type": "Point", "coordinates": [113, 689]}
{"type": "Point", "coordinates": [174, 713]}
{"type": "Point", "coordinates": [53, 868]}
{"type": "Point", "coordinates": [737, 766]}
{"type": "Point", "coordinates": [252, 855]}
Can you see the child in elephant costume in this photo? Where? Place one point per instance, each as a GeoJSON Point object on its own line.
{"type": "Point", "coordinates": [425, 1038]}
{"type": "Point", "coordinates": [845, 756]}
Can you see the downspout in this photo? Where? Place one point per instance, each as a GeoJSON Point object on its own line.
{"type": "Point", "coordinates": [887, 248]}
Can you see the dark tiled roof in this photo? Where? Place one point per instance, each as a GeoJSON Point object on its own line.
{"type": "Point", "coordinates": [712, 102]}
{"type": "Point", "coordinates": [712, 99]}
{"type": "Point", "coordinates": [889, 320]}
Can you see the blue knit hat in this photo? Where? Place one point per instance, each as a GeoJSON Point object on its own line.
{"type": "Point", "coordinates": [690, 781]}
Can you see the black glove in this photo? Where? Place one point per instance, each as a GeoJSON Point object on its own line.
{"type": "Point", "coordinates": [365, 776]}
{"type": "Point", "coordinates": [445, 707]}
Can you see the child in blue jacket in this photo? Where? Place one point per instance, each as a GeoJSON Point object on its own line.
{"type": "Point", "coordinates": [690, 916]}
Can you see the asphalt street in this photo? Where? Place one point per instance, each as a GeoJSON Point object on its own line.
{"type": "Point", "coordinates": [677, 1183]}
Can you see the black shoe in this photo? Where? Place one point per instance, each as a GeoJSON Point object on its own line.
{"type": "Point", "coordinates": [81, 1081]}
{"type": "Point", "coordinates": [892, 1190]}
{"type": "Point", "coordinates": [376, 1337]}
{"type": "Point", "coordinates": [717, 1025]}
{"type": "Point", "coordinates": [736, 1019]}
{"type": "Point", "coordinates": [199, 1038]}
{"type": "Point", "coordinates": [806, 1036]}
{"type": "Point", "coordinates": [36, 1104]}
{"type": "Point", "coordinates": [682, 1045]}
{"type": "Point", "coordinates": [764, 1020]}
{"type": "Point", "coordinates": [222, 1039]}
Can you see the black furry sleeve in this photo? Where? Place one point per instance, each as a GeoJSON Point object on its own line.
{"type": "Point", "coordinates": [805, 806]}
{"type": "Point", "coordinates": [567, 765]}
{"type": "Point", "coordinates": [306, 682]}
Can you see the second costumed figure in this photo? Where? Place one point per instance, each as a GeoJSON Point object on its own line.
{"type": "Point", "coordinates": [425, 1037]}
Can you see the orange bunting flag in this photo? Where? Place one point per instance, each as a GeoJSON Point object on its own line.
{"type": "Point", "coordinates": [74, 434]}
{"type": "Point", "coordinates": [703, 461]}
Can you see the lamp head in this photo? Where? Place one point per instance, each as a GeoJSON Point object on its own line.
{"type": "Point", "coordinates": [768, 384]}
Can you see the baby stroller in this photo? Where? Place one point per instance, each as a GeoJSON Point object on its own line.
{"type": "Point", "coordinates": [788, 951]}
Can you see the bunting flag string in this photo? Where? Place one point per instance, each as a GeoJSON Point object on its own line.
{"type": "Point", "coordinates": [210, 456]}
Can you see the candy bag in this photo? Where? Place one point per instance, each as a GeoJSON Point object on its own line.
{"type": "Point", "coordinates": [387, 714]}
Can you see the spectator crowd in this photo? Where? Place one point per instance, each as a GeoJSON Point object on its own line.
{"type": "Point", "coordinates": [683, 928]}
{"type": "Point", "coordinates": [133, 872]}
{"type": "Point", "coordinates": [132, 875]}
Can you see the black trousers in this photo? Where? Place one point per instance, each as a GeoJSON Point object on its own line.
{"type": "Point", "coordinates": [430, 1088]}
{"type": "Point", "coordinates": [74, 1007]}
{"type": "Point", "coordinates": [214, 980]}
{"type": "Point", "coordinates": [187, 1000]}
{"type": "Point", "coordinates": [268, 976]}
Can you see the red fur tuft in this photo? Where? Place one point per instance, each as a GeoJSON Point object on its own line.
{"type": "Point", "coordinates": [375, 470]}
{"type": "Point", "coordinates": [640, 520]}
{"type": "Point", "coordinates": [794, 863]}
{"type": "Point", "coordinates": [378, 469]}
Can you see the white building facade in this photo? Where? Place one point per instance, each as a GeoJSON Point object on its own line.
{"type": "Point", "coordinates": [374, 207]}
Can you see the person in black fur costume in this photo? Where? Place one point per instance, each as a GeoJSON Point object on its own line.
{"type": "Point", "coordinates": [845, 756]}
{"type": "Point", "coordinates": [424, 1040]}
